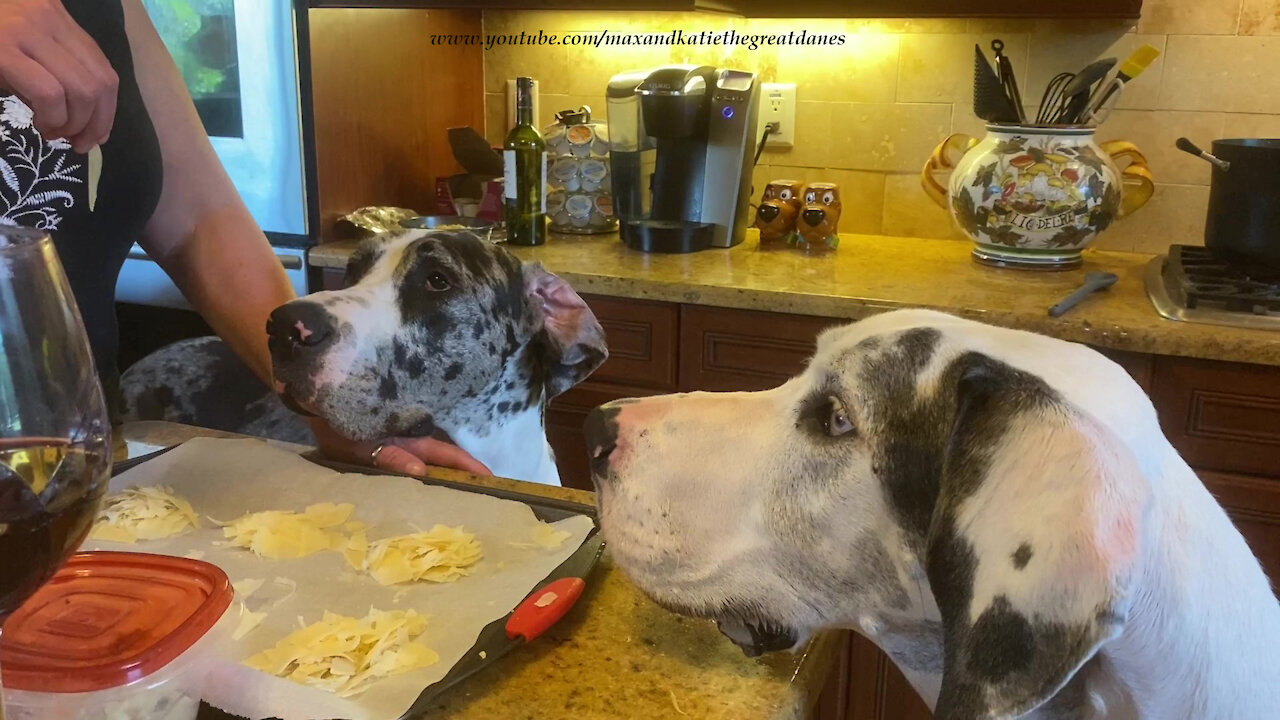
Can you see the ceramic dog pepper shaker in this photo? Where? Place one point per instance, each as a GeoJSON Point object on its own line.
{"type": "Point", "coordinates": [819, 223]}
{"type": "Point", "coordinates": [777, 213]}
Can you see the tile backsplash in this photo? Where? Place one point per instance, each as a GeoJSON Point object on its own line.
{"type": "Point", "coordinates": [870, 113]}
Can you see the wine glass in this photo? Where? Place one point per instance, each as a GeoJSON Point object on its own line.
{"type": "Point", "coordinates": [55, 435]}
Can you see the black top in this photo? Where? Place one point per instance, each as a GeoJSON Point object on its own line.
{"type": "Point", "coordinates": [46, 185]}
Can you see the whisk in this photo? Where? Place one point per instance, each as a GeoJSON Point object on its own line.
{"type": "Point", "coordinates": [1054, 101]}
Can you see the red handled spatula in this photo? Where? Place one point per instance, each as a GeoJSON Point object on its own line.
{"type": "Point", "coordinates": [536, 614]}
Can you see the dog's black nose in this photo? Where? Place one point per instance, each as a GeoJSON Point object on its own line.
{"type": "Point", "coordinates": [300, 325]}
{"type": "Point", "coordinates": [602, 439]}
{"type": "Point", "coordinates": [767, 213]}
{"type": "Point", "coordinates": [813, 217]}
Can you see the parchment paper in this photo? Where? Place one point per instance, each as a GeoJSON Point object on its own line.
{"type": "Point", "coordinates": [225, 479]}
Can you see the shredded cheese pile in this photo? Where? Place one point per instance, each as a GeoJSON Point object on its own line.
{"type": "Point", "coordinates": [546, 536]}
{"type": "Point", "coordinates": [441, 554]}
{"type": "Point", "coordinates": [279, 534]}
{"type": "Point", "coordinates": [343, 655]}
{"type": "Point", "coordinates": [144, 513]}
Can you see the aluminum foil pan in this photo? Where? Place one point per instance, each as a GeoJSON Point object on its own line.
{"type": "Point", "coordinates": [369, 221]}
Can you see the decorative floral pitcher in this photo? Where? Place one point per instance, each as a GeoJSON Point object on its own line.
{"type": "Point", "coordinates": [1035, 197]}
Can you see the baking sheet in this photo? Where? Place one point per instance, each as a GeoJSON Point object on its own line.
{"type": "Point", "coordinates": [225, 479]}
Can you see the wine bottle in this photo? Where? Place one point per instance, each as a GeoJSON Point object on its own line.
{"type": "Point", "coordinates": [524, 157]}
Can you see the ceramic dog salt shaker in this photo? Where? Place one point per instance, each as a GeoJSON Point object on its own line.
{"type": "Point", "coordinates": [777, 213]}
{"type": "Point", "coordinates": [819, 221]}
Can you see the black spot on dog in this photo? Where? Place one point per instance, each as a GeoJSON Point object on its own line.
{"type": "Point", "coordinates": [477, 329]}
{"type": "Point", "coordinates": [362, 261]}
{"type": "Point", "coordinates": [1003, 642]}
{"type": "Point", "coordinates": [230, 390]}
{"type": "Point", "coordinates": [152, 404]}
{"type": "Point", "coordinates": [1022, 556]}
{"type": "Point", "coordinates": [387, 388]}
{"type": "Point", "coordinates": [949, 434]}
{"type": "Point", "coordinates": [512, 343]}
{"type": "Point", "coordinates": [503, 407]}
{"type": "Point", "coordinates": [399, 353]}
{"type": "Point", "coordinates": [415, 366]}
{"type": "Point", "coordinates": [470, 252]}
{"type": "Point", "coordinates": [453, 371]}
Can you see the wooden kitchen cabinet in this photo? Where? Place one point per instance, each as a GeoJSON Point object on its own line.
{"type": "Point", "coordinates": [724, 349]}
{"type": "Point", "coordinates": [1221, 416]}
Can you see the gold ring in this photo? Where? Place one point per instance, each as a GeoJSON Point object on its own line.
{"type": "Point", "coordinates": [373, 456]}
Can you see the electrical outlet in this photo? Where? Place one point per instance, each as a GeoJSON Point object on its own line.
{"type": "Point", "coordinates": [511, 106]}
{"type": "Point", "coordinates": [778, 105]}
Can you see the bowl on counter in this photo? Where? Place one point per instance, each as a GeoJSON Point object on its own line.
{"type": "Point", "coordinates": [486, 229]}
{"type": "Point", "coordinates": [116, 635]}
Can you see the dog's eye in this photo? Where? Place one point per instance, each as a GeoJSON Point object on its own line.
{"type": "Point", "coordinates": [835, 421]}
{"type": "Point", "coordinates": [437, 281]}
{"type": "Point", "coordinates": [828, 197]}
{"type": "Point", "coordinates": [786, 194]}
{"type": "Point", "coordinates": [811, 197]}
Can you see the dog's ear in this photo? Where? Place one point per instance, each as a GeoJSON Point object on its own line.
{"type": "Point", "coordinates": [1032, 544]}
{"type": "Point", "coordinates": [573, 343]}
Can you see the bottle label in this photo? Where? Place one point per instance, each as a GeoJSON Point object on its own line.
{"type": "Point", "coordinates": [509, 177]}
{"type": "Point", "coordinates": [509, 174]}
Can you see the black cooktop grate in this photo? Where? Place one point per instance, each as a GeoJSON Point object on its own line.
{"type": "Point", "coordinates": [1204, 279]}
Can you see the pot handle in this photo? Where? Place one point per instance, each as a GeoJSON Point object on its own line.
{"type": "Point", "coordinates": [937, 171]}
{"type": "Point", "coordinates": [1136, 180]}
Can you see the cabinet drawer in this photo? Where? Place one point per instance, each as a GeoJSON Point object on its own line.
{"type": "Point", "coordinates": [1254, 506]}
{"type": "Point", "coordinates": [1220, 416]}
{"type": "Point", "coordinates": [743, 349]}
{"type": "Point", "coordinates": [642, 339]}
{"type": "Point", "coordinates": [564, 420]}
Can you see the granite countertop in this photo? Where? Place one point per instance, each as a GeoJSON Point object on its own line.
{"type": "Point", "coordinates": [616, 655]}
{"type": "Point", "coordinates": [871, 273]}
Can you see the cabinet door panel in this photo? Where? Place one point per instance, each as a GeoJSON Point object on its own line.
{"type": "Point", "coordinates": [1254, 506]}
{"type": "Point", "coordinates": [642, 341]}
{"type": "Point", "coordinates": [1221, 416]}
{"type": "Point", "coordinates": [743, 349]}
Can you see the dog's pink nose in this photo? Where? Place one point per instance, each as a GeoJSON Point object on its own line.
{"type": "Point", "coordinates": [301, 323]}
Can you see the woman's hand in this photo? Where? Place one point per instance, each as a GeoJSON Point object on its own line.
{"type": "Point", "coordinates": [57, 69]}
{"type": "Point", "coordinates": [406, 455]}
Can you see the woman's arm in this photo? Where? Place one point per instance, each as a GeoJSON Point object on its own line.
{"type": "Point", "coordinates": [205, 239]}
{"type": "Point", "coordinates": [201, 233]}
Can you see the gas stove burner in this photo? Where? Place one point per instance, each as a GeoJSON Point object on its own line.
{"type": "Point", "coordinates": [1195, 285]}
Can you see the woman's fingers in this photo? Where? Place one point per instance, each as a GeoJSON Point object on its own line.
{"type": "Point", "coordinates": [59, 72]}
{"type": "Point", "coordinates": [435, 452]}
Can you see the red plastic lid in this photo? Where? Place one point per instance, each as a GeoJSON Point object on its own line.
{"type": "Point", "coordinates": [108, 619]}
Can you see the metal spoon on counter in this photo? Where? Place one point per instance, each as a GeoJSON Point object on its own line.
{"type": "Point", "coordinates": [1093, 282]}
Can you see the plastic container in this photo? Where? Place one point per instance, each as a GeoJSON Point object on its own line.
{"type": "Point", "coordinates": [579, 187]}
{"type": "Point", "coordinates": [115, 636]}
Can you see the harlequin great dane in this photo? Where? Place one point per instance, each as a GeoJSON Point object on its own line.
{"type": "Point", "coordinates": [437, 333]}
{"type": "Point", "coordinates": [997, 510]}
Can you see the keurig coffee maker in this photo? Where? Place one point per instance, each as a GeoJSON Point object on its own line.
{"type": "Point", "coordinates": [681, 147]}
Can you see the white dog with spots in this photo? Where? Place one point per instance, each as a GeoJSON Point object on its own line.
{"type": "Point", "coordinates": [999, 511]}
